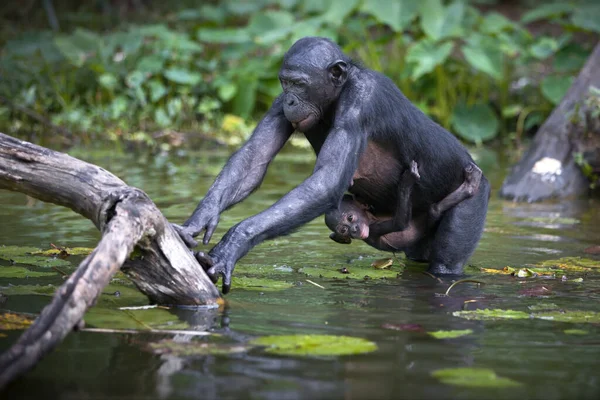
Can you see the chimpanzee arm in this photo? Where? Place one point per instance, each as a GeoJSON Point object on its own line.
{"type": "Point", "coordinates": [240, 176]}
{"type": "Point", "coordinates": [403, 210]}
{"type": "Point", "coordinates": [336, 163]}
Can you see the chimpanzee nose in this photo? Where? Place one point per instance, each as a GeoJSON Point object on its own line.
{"type": "Point", "coordinates": [354, 229]}
{"type": "Point", "coordinates": [291, 102]}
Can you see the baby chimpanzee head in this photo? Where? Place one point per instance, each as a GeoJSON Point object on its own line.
{"type": "Point", "coordinates": [349, 221]}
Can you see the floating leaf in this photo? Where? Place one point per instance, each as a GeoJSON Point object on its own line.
{"type": "Point", "coordinates": [450, 334]}
{"type": "Point", "coordinates": [554, 87]}
{"type": "Point", "coordinates": [397, 14]}
{"type": "Point", "coordinates": [577, 264]}
{"type": "Point", "coordinates": [20, 272]}
{"type": "Point", "coordinates": [476, 123]}
{"type": "Point", "coordinates": [261, 284]}
{"type": "Point", "coordinates": [315, 345]}
{"type": "Point", "coordinates": [557, 315]}
{"type": "Point", "coordinates": [355, 272]}
{"type": "Point", "coordinates": [575, 332]}
{"type": "Point", "coordinates": [64, 251]}
{"type": "Point", "coordinates": [195, 348]}
{"type": "Point", "coordinates": [426, 55]}
{"type": "Point", "coordinates": [38, 290]}
{"type": "Point", "coordinates": [383, 263]}
{"type": "Point", "coordinates": [24, 255]}
{"type": "Point", "coordinates": [10, 321]}
{"type": "Point", "coordinates": [473, 377]}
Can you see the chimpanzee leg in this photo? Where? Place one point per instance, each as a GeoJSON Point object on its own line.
{"type": "Point", "coordinates": [458, 233]}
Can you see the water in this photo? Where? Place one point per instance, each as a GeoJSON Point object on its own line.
{"type": "Point", "coordinates": [547, 362]}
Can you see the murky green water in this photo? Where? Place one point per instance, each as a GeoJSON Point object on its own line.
{"type": "Point", "coordinates": [549, 363]}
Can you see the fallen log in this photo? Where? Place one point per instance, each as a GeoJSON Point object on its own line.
{"type": "Point", "coordinates": [163, 268]}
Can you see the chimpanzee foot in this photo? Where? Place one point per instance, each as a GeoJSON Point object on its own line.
{"type": "Point", "coordinates": [473, 176]}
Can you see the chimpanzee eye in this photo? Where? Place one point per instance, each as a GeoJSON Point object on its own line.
{"type": "Point", "coordinates": [350, 218]}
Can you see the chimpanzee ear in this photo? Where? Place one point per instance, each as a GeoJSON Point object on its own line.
{"type": "Point", "coordinates": [339, 238]}
{"type": "Point", "coordinates": [338, 72]}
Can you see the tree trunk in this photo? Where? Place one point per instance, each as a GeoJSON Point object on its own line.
{"type": "Point", "coordinates": [165, 270]}
{"type": "Point", "coordinates": [548, 169]}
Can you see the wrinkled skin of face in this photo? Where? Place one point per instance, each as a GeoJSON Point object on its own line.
{"type": "Point", "coordinates": [348, 222]}
{"type": "Point", "coordinates": [312, 75]}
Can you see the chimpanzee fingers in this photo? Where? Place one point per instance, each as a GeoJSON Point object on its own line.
{"type": "Point", "coordinates": [185, 235]}
{"type": "Point", "coordinates": [210, 229]}
{"type": "Point", "coordinates": [204, 259]}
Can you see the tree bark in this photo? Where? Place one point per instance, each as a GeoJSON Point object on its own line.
{"type": "Point", "coordinates": [165, 270]}
{"type": "Point", "coordinates": [548, 169]}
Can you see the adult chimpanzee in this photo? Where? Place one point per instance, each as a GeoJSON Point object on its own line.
{"type": "Point", "coordinates": [353, 219]}
{"type": "Point", "coordinates": [363, 130]}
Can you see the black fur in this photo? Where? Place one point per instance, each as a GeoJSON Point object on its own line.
{"type": "Point", "coordinates": [340, 106]}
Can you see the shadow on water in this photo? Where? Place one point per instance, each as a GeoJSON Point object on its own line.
{"type": "Point", "coordinates": [537, 353]}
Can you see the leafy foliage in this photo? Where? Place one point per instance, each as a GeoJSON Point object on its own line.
{"type": "Point", "coordinates": [199, 66]}
{"type": "Point", "coordinates": [315, 345]}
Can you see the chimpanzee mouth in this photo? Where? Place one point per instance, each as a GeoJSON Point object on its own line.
{"type": "Point", "coordinates": [364, 232]}
{"type": "Point", "coordinates": [303, 124]}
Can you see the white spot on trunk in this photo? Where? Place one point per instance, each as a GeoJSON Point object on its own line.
{"type": "Point", "coordinates": [548, 168]}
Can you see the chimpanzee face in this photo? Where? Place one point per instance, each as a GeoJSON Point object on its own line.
{"type": "Point", "coordinates": [312, 75]}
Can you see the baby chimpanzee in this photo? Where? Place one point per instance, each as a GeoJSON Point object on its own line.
{"type": "Point", "coordinates": [353, 220]}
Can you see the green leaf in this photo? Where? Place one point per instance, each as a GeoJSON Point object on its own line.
{"type": "Point", "coordinates": [161, 118]}
{"type": "Point", "coordinates": [245, 100]}
{"type": "Point", "coordinates": [339, 10]}
{"type": "Point", "coordinates": [268, 20]}
{"type": "Point", "coordinates": [494, 23]}
{"type": "Point", "coordinates": [587, 17]}
{"type": "Point", "coordinates": [108, 81]}
{"type": "Point", "coordinates": [133, 319]}
{"type": "Point", "coordinates": [182, 76]}
{"type": "Point", "coordinates": [223, 36]}
{"type": "Point", "coordinates": [315, 345]}
{"type": "Point", "coordinates": [24, 255]}
{"type": "Point", "coordinates": [450, 334]}
{"type": "Point", "coordinates": [396, 14]}
{"type": "Point", "coordinates": [227, 91]}
{"type": "Point", "coordinates": [135, 79]}
{"type": "Point", "coordinates": [157, 90]}
{"type": "Point", "coordinates": [439, 22]}
{"type": "Point", "coordinates": [152, 64]}
{"type": "Point", "coordinates": [544, 48]}
{"type": "Point", "coordinates": [473, 377]}
{"type": "Point", "coordinates": [476, 123]}
{"type": "Point", "coordinates": [426, 55]}
{"type": "Point", "coordinates": [259, 284]}
{"type": "Point", "coordinates": [20, 272]}
{"type": "Point", "coordinates": [174, 107]}
{"type": "Point", "coordinates": [570, 58]}
{"type": "Point", "coordinates": [547, 11]}
{"type": "Point", "coordinates": [483, 56]}
{"type": "Point", "coordinates": [554, 87]}
{"type": "Point", "coordinates": [576, 317]}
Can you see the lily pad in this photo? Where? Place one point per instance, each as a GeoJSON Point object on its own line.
{"type": "Point", "coordinates": [473, 377]}
{"type": "Point", "coordinates": [64, 252]}
{"type": "Point", "coordinates": [576, 332]}
{"type": "Point", "coordinates": [575, 264]}
{"type": "Point", "coordinates": [315, 345]}
{"type": "Point", "coordinates": [21, 272]}
{"type": "Point", "coordinates": [10, 321]}
{"type": "Point", "coordinates": [195, 348]}
{"type": "Point", "coordinates": [450, 334]}
{"type": "Point", "coordinates": [39, 290]}
{"type": "Point", "coordinates": [261, 284]}
{"type": "Point", "coordinates": [25, 255]}
{"type": "Point", "coordinates": [555, 315]}
{"type": "Point", "coordinates": [354, 272]}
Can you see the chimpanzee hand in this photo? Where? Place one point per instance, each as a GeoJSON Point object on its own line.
{"type": "Point", "coordinates": [214, 266]}
{"type": "Point", "coordinates": [208, 219]}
